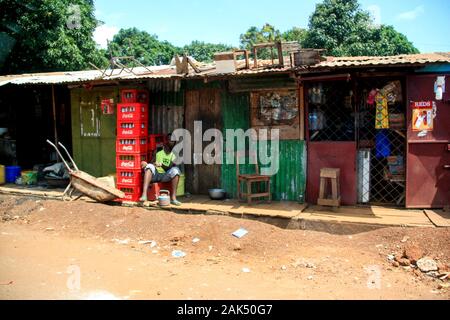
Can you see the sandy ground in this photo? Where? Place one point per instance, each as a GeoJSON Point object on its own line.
{"type": "Point", "coordinates": [56, 250]}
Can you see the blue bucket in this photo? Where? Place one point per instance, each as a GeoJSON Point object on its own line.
{"type": "Point", "coordinates": [12, 173]}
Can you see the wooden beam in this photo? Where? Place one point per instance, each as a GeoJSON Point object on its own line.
{"type": "Point", "coordinates": [332, 77]}
{"type": "Point", "coordinates": [54, 119]}
{"type": "Point", "coordinates": [302, 111]}
{"type": "Point", "coordinates": [280, 54]}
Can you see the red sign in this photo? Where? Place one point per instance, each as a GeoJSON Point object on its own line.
{"type": "Point", "coordinates": [108, 106]}
{"type": "Point", "coordinates": [421, 104]}
{"type": "Point", "coordinates": [422, 115]}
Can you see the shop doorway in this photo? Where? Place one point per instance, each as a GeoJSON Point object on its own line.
{"type": "Point", "coordinates": [359, 127]}
{"type": "Point", "coordinates": [381, 141]}
{"type": "Point", "coordinates": [331, 136]}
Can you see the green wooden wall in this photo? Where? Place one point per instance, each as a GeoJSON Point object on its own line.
{"type": "Point", "coordinates": [93, 154]}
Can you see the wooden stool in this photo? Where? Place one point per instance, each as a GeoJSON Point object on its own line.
{"type": "Point", "coordinates": [332, 175]}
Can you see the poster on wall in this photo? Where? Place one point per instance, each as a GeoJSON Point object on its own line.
{"type": "Point", "coordinates": [279, 107]}
{"type": "Point", "coordinates": [422, 115]}
{"type": "Point", "coordinates": [107, 106]}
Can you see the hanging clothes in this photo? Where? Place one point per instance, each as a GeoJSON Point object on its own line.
{"type": "Point", "coordinates": [382, 112]}
{"type": "Point", "coordinates": [382, 144]}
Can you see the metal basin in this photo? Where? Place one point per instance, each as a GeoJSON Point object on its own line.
{"type": "Point", "coordinates": [217, 194]}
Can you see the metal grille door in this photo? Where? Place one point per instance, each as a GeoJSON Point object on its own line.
{"type": "Point", "coordinates": [381, 132]}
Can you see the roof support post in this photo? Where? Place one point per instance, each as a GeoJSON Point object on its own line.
{"type": "Point", "coordinates": [54, 118]}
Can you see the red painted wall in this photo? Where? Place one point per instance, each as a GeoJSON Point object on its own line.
{"type": "Point", "coordinates": [340, 155]}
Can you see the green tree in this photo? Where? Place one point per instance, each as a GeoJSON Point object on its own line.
{"type": "Point", "coordinates": [267, 33]}
{"type": "Point", "coordinates": [146, 48]}
{"type": "Point", "coordinates": [295, 34]}
{"type": "Point", "coordinates": [343, 28]}
{"type": "Point", "coordinates": [48, 35]}
{"type": "Point", "coordinates": [254, 35]}
{"type": "Point", "coordinates": [204, 52]}
{"type": "Point", "coordinates": [383, 41]}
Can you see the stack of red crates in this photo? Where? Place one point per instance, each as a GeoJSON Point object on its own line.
{"type": "Point", "coordinates": [132, 142]}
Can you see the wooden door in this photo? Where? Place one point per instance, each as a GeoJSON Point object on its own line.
{"type": "Point", "coordinates": [202, 105]}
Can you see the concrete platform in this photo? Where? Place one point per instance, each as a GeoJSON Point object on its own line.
{"type": "Point", "coordinates": [289, 215]}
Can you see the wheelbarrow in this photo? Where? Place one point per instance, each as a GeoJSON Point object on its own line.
{"type": "Point", "coordinates": [86, 184]}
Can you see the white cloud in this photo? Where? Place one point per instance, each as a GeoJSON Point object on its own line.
{"type": "Point", "coordinates": [375, 11]}
{"type": "Point", "coordinates": [104, 33]}
{"type": "Point", "coordinates": [412, 14]}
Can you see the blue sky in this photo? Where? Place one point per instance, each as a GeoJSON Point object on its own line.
{"type": "Point", "coordinates": [425, 22]}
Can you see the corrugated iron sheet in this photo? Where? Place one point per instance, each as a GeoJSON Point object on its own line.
{"type": "Point", "coordinates": [158, 72]}
{"type": "Point", "coordinates": [235, 115]}
{"type": "Point", "coordinates": [425, 58]}
{"type": "Point", "coordinates": [166, 112]}
{"type": "Point", "coordinates": [165, 119]}
{"type": "Point", "coordinates": [209, 70]}
{"type": "Point", "coordinates": [290, 181]}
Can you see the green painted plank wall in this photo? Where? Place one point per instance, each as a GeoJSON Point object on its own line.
{"type": "Point", "coordinates": [96, 154]}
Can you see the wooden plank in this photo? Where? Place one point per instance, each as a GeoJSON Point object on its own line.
{"type": "Point", "coordinates": [370, 215]}
{"type": "Point", "coordinates": [439, 219]}
{"type": "Point", "coordinates": [191, 114]}
{"type": "Point", "coordinates": [329, 202]}
{"type": "Point", "coordinates": [302, 111]}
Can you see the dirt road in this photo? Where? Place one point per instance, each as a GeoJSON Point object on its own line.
{"type": "Point", "coordinates": [57, 250]}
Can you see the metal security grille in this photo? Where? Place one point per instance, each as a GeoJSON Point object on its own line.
{"type": "Point", "coordinates": [331, 111]}
{"type": "Point", "coordinates": [381, 139]}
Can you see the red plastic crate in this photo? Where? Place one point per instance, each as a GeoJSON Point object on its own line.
{"type": "Point", "coordinates": [155, 188]}
{"type": "Point", "coordinates": [130, 161]}
{"type": "Point", "coordinates": [132, 194]}
{"type": "Point", "coordinates": [132, 112]}
{"type": "Point", "coordinates": [132, 145]}
{"type": "Point", "coordinates": [135, 96]}
{"type": "Point", "coordinates": [131, 129]}
{"type": "Point", "coordinates": [132, 177]}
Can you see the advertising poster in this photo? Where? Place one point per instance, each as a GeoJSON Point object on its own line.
{"type": "Point", "coordinates": [422, 115]}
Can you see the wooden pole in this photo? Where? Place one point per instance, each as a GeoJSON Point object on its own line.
{"type": "Point", "coordinates": [54, 119]}
{"type": "Point", "coordinates": [302, 111]}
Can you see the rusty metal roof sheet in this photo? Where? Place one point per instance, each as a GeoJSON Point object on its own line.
{"type": "Point", "coordinates": [425, 58]}
{"type": "Point", "coordinates": [157, 72]}
{"type": "Point", "coordinates": [209, 70]}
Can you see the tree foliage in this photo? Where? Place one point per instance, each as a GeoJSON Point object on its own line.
{"type": "Point", "coordinates": [254, 35]}
{"type": "Point", "coordinates": [146, 48]}
{"type": "Point", "coordinates": [295, 34]}
{"type": "Point", "coordinates": [343, 28]}
{"type": "Point", "coordinates": [203, 51]}
{"type": "Point", "coordinates": [48, 35]}
{"type": "Point", "coordinates": [36, 35]}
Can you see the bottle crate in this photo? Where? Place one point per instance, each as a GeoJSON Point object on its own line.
{"type": "Point", "coordinates": [129, 177]}
{"type": "Point", "coordinates": [132, 112]}
{"type": "Point", "coordinates": [132, 193]}
{"type": "Point", "coordinates": [131, 129]}
{"type": "Point", "coordinates": [135, 96]}
{"type": "Point", "coordinates": [132, 145]}
{"type": "Point", "coordinates": [130, 161]}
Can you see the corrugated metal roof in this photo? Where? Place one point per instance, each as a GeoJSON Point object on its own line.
{"type": "Point", "coordinates": [157, 72]}
{"type": "Point", "coordinates": [425, 58]}
{"type": "Point", "coordinates": [209, 70]}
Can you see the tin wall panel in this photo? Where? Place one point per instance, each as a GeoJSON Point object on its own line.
{"type": "Point", "coordinates": [289, 183]}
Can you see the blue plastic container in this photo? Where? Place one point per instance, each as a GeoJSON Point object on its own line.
{"type": "Point", "coordinates": [12, 173]}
